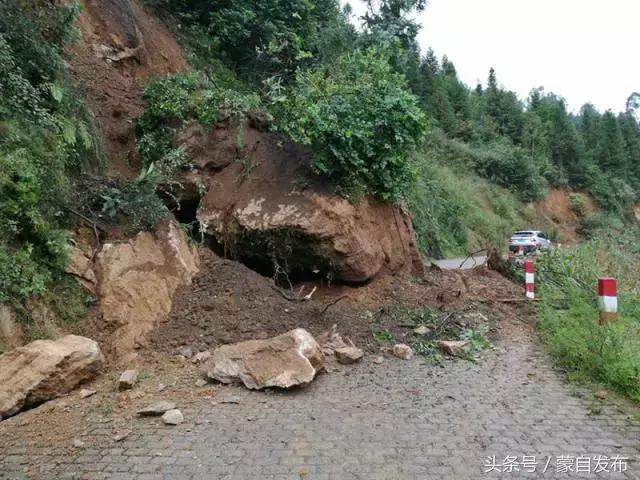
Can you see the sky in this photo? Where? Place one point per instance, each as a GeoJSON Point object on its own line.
{"type": "Point", "coordinates": [583, 50]}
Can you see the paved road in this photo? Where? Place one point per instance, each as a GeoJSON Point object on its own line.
{"type": "Point", "coordinates": [396, 421]}
{"type": "Point", "coordinates": [461, 263]}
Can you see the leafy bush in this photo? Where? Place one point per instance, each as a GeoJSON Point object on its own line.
{"type": "Point", "coordinates": [361, 122]}
{"type": "Point", "coordinates": [567, 279]}
{"type": "Point", "coordinates": [258, 39]}
{"type": "Point", "coordinates": [174, 100]}
{"type": "Point", "coordinates": [46, 136]}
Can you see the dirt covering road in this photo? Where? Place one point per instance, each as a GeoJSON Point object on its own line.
{"type": "Point", "coordinates": [394, 421]}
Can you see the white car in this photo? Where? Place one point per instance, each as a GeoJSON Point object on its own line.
{"type": "Point", "coordinates": [529, 241]}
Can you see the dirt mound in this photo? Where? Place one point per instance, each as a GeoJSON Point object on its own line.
{"type": "Point", "coordinates": [228, 303]}
{"type": "Point", "coordinates": [266, 207]}
{"type": "Point", "coordinates": [121, 46]}
{"type": "Point", "coordinates": [556, 209]}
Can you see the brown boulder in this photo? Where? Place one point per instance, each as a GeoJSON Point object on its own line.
{"type": "Point", "coordinates": [270, 199]}
{"type": "Point", "coordinates": [137, 280]}
{"type": "Point", "coordinates": [292, 358]}
{"type": "Point", "coordinates": [44, 370]}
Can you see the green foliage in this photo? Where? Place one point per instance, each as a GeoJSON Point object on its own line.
{"type": "Point", "coordinates": [578, 203]}
{"type": "Point", "coordinates": [46, 136]}
{"type": "Point", "coordinates": [260, 39]}
{"type": "Point", "coordinates": [454, 210]}
{"type": "Point", "coordinates": [177, 99]}
{"type": "Point", "coordinates": [569, 313]}
{"type": "Point", "coordinates": [360, 121]}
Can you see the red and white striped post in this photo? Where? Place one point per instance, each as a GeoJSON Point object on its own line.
{"type": "Point", "coordinates": [529, 279]}
{"type": "Point", "coordinates": [608, 299]}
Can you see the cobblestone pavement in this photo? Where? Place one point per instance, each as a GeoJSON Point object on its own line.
{"type": "Point", "coordinates": [400, 420]}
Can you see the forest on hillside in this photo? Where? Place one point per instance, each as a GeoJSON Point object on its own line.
{"type": "Point", "coordinates": [382, 117]}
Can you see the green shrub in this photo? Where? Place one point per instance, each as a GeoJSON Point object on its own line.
{"type": "Point", "coordinates": [180, 98]}
{"type": "Point", "coordinates": [46, 137]}
{"type": "Point", "coordinates": [361, 122]}
{"type": "Point", "coordinates": [578, 203]}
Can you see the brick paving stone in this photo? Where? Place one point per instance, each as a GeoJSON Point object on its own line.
{"type": "Point", "coordinates": [397, 421]}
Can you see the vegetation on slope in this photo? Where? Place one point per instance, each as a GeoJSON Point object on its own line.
{"type": "Point", "coordinates": [567, 281]}
{"type": "Point", "coordinates": [46, 137]}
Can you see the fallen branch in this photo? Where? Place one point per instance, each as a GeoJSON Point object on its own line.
{"type": "Point", "coordinates": [473, 255]}
{"type": "Point", "coordinates": [332, 303]}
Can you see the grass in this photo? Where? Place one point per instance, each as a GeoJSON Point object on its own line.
{"type": "Point", "coordinates": [586, 350]}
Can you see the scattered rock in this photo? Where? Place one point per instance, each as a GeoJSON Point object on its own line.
{"type": "Point", "coordinates": [44, 370]}
{"type": "Point", "coordinates": [201, 357]}
{"type": "Point", "coordinates": [602, 394]}
{"type": "Point", "coordinates": [85, 393]}
{"type": "Point", "coordinates": [292, 358]}
{"type": "Point", "coordinates": [186, 352]}
{"type": "Point", "coordinates": [161, 387]}
{"type": "Point", "coordinates": [347, 355]}
{"type": "Point", "coordinates": [231, 399]}
{"type": "Point", "coordinates": [402, 351]}
{"type": "Point", "coordinates": [421, 330]}
{"type": "Point", "coordinates": [378, 360]}
{"type": "Point", "coordinates": [173, 417]}
{"type": "Point", "coordinates": [452, 347]}
{"type": "Point", "coordinates": [156, 409]}
{"type": "Point", "coordinates": [201, 382]}
{"type": "Point", "coordinates": [331, 341]}
{"type": "Point", "coordinates": [78, 443]}
{"type": "Point", "coordinates": [128, 379]}
{"type": "Point", "coordinates": [121, 436]}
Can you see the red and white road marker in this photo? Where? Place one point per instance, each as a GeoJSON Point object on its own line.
{"type": "Point", "coordinates": [608, 299]}
{"type": "Point", "coordinates": [529, 279]}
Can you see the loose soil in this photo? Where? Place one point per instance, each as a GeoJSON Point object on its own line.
{"type": "Point", "coordinates": [227, 303]}
{"type": "Point", "coordinates": [121, 47]}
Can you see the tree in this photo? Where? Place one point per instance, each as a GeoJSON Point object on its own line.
{"type": "Point", "coordinates": [361, 121]}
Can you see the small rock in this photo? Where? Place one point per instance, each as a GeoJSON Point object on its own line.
{"type": "Point", "coordinates": [347, 355]}
{"type": "Point", "coordinates": [173, 417]}
{"type": "Point", "coordinates": [121, 436]}
{"type": "Point", "coordinates": [78, 443]}
{"type": "Point", "coordinates": [421, 330]}
{"type": "Point", "coordinates": [161, 387]}
{"type": "Point", "coordinates": [201, 383]}
{"type": "Point", "coordinates": [85, 393]}
{"type": "Point", "coordinates": [231, 399]}
{"type": "Point", "coordinates": [201, 357]}
{"type": "Point", "coordinates": [128, 379]}
{"type": "Point", "coordinates": [379, 360]}
{"type": "Point", "coordinates": [402, 351]}
{"type": "Point", "coordinates": [602, 394]}
{"type": "Point", "coordinates": [186, 352]}
{"type": "Point", "coordinates": [453, 347]}
{"type": "Point", "coordinates": [156, 409]}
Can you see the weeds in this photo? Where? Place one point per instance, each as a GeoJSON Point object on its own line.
{"type": "Point", "coordinates": [569, 314]}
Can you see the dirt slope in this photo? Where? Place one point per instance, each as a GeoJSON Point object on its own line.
{"type": "Point", "coordinates": [121, 47]}
{"type": "Point", "coordinates": [557, 212]}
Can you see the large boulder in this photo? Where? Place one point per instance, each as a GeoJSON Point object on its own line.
{"type": "Point", "coordinates": [137, 280]}
{"type": "Point", "coordinates": [292, 358]}
{"type": "Point", "coordinates": [263, 201]}
{"type": "Point", "coordinates": [45, 369]}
